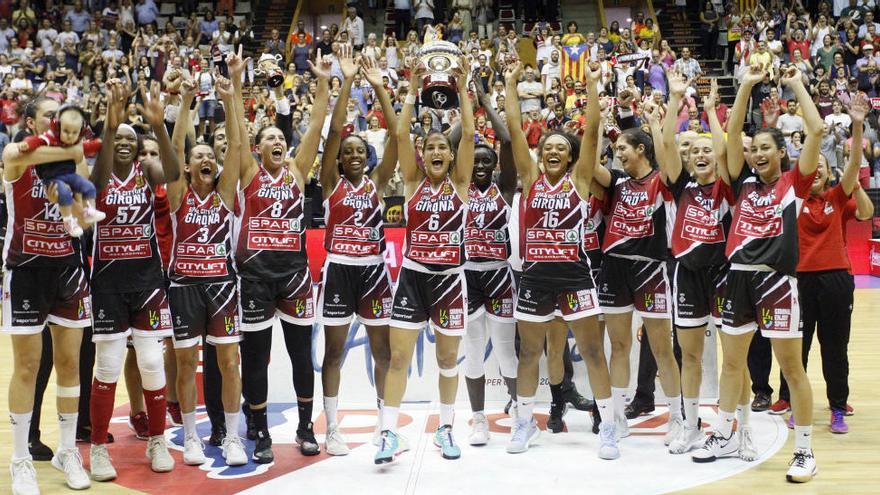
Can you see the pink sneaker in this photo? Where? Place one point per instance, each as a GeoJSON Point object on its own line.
{"type": "Point", "coordinates": [838, 423]}
{"type": "Point", "coordinates": [92, 215]}
{"type": "Point", "coordinates": [72, 227]}
{"type": "Point", "coordinates": [791, 422]}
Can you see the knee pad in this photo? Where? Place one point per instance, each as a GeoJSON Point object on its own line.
{"type": "Point", "coordinates": [69, 392]}
{"type": "Point", "coordinates": [450, 372]}
{"type": "Point", "coordinates": [503, 336]}
{"type": "Point", "coordinates": [109, 357]}
{"type": "Point", "coordinates": [151, 362]}
{"type": "Point", "coordinates": [475, 347]}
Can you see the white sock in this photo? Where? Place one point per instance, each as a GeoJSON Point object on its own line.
{"type": "Point", "coordinates": [21, 425]}
{"type": "Point", "coordinates": [606, 409]}
{"type": "Point", "coordinates": [189, 423]}
{"type": "Point", "coordinates": [692, 411]}
{"type": "Point", "coordinates": [803, 437]}
{"type": "Point", "coordinates": [330, 404]}
{"type": "Point", "coordinates": [525, 406]}
{"type": "Point", "coordinates": [742, 414]}
{"type": "Point", "coordinates": [675, 407]}
{"type": "Point", "coordinates": [67, 433]}
{"type": "Point", "coordinates": [380, 403]}
{"type": "Point", "coordinates": [231, 422]}
{"type": "Point", "coordinates": [447, 413]}
{"type": "Point", "coordinates": [389, 418]}
{"type": "Point", "coordinates": [618, 395]}
{"type": "Point", "coordinates": [725, 424]}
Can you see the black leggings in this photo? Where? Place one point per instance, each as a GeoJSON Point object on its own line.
{"type": "Point", "coordinates": [827, 301]}
{"type": "Point", "coordinates": [255, 351]}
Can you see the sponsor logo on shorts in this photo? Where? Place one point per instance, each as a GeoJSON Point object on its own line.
{"type": "Point", "coordinates": [300, 308]}
{"type": "Point", "coordinates": [572, 301]}
{"type": "Point", "coordinates": [496, 306]}
{"type": "Point", "coordinates": [229, 325]}
{"type": "Point", "coordinates": [155, 321]}
{"type": "Point", "coordinates": [766, 318]}
{"type": "Point", "coordinates": [444, 318]}
{"type": "Point", "coordinates": [378, 308]}
{"type": "Point", "coordinates": [655, 302]}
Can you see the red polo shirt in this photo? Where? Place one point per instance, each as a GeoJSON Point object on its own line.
{"type": "Point", "coordinates": [822, 231]}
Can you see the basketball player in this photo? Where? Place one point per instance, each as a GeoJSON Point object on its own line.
{"type": "Point", "coordinates": [763, 250]}
{"type": "Point", "coordinates": [354, 280]}
{"type": "Point", "coordinates": [128, 287]}
{"type": "Point", "coordinates": [431, 286]}
{"type": "Point", "coordinates": [203, 290]}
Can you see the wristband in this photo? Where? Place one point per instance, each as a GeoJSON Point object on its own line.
{"type": "Point", "coordinates": [410, 99]}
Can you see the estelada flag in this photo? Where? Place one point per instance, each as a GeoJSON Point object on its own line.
{"type": "Point", "coordinates": [574, 61]}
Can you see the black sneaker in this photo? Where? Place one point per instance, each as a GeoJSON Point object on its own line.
{"type": "Point", "coordinates": [249, 421]}
{"type": "Point", "coordinates": [84, 435]}
{"type": "Point", "coordinates": [597, 419]}
{"type": "Point", "coordinates": [555, 424]}
{"type": "Point", "coordinates": [218, 433]}
{"type": "Point", "coordinates": [40, 451]}
{"type": "Point", "coordinates": [305, 437]}
{"type": "Point", "coordinates": [576, 400]}
{"type": "Point", "coordinates": [636, 408]}
{"type": "Point", "coordinates": [761, 402]}
{"type": "Point", "coordinates": [263, 448]}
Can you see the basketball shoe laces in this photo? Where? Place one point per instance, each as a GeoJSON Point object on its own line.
{"type": "Point", "coordinates": [800, 458]}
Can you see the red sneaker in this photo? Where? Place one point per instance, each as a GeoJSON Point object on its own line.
{"type": "Point", "coordinates": [849, 410]}
{"type": "Point", "coordinates": [174, 416]}
{"type": "Point", "coordinates": [781, 406]}
{"type": "Point", "coordinates": [140, 426]}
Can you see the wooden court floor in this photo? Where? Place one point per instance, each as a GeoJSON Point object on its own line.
{"type": "Point", "coordinates": [848, 464]}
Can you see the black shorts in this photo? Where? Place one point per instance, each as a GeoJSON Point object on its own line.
{"type": "Point", "coordinates": [204, 309]}
{"type": "Point", "coordinates": [697, 295]}
{"type": "Point", "coordinates": [634, 285]}
{"type": "Point", "coordinates": [491, 292]}
{"type": "Point", "coordinates": [542, 300]}
{"type": "Point", "coordinates": [349, 291]}
{"type": "Point", "coordinates": [423, 297]}
{"type": "Point", "coordinates": [762, 299]}
{"type": "Point", "coordinates": [289, 298]}
{"type": "Point", "coordinates": [144, 313]}
{"type": "Point", "coordinates": [35, 296]}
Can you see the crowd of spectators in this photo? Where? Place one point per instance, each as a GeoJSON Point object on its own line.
{"type": "Point", "coordinates": [68, 52]}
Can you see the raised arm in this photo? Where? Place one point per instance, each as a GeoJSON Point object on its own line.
{"type": "Point", "coordinates": [522, 158]}
{"type": "Point", "coordinates": [178, 139]}
{"type": "Point", "coordinates": [859, 107]}
{"type": "Point", "coordinates": [507, 178]}
{"type": "Point", "coordinates": [586, 164]}
{"type": "Point", "coordinates": [329, 169]}
{"type": "Point", "coordinates": [718, 141]}
{"type": "Point", "coordinates": [735, 157]}
{"type": "Point", "coordinates": [227, 185]}
{"type": "Point", "coordinates": [117, 99]}
{"type": "Point", "coordinates": [308, 147]}
{"type": "Point", "coordinates": [167, 169]}
{"type": "Point", "coordinates": [406, 153]}
{"type": "Point", "coordinates": [464, 161]}
{"type": "Point", "coordinates": [670, 159]}
{"type": "Point", "coordinates": [238, 144]}
{"type": "Point", "coordinates": [813, 123]}
{"type": "Point", "coordinates": [385, 170]}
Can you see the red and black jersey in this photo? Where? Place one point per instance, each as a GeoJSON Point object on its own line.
{"type": "Point", "coordinates": [35, 234]}
{"type": "Point", "coordinates": [594, 231]}
{"type": "Point", "coordinates": [765, 225]}
{"type": "Point", "coordinates": [163, 223]}
{"type": "Point", "coordinates": [486, 237]}
{"type": "Point", "coordinates": [434, 228]}
{"type": "Point", "coordinates": [355, 233]}
{"type": "Point", "coordinates": [702, 216]}
{"type": "Point", "coordinates": [270, 234]}
{"type": "Point", "coordinates": [201, 253]}
{"type": "Point", "coordinates": [551, 232]}
{"type": "Point", "coordinates": [636, 223]}
{"type": "Point", "coordinates": [125, 253]}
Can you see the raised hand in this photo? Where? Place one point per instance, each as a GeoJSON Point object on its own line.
{"type": "Point", "coordinates": [346, 61]}
{"type": "Point", "coordinates": [754, 75]}
{"type": "Point", "coordinates": [859, 107]}
{"type": "Point", "coordinates": [710, 101]}
{"type": "Point", "coordinates": [371, 72]}
{"type": "Point", "coordinates": [478, 85]}
{"type": "Point", "coordinates": [152, 109]}
{"type": "Point", "coordinates": [791, 76]}
{"type": "Point", "coordinates": [236, 64]}
{"type": "Point", "coordinates": [224, 88]}
{"type": "Point", "coordinates": [678, 83]}
{"type": "Point", "coordinates": [189, 87]}
{"type": "Point", "coordinates": [594, 73]}
{"type": "Point", "coordinates": [513, 71]}
{"type": "Point", "coordinates": [321, 70]}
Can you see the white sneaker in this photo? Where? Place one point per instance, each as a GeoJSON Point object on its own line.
{"type": "Point", "coordinates": [70, 462]}
{"type": "Point", "coordinates": [747, 450]}
{"type": "Point", "coordinates": [716, 446]}
{"type": "Point", "coordinates": [92, 215]}
{"type": "Point", "coordinates": [233, 450]}
{"type": "Point", "coordinates": [72, 227]}
{"type": "Point", "coordinates": [157, 452]}
{"type": "Point", "coordinates": [621, 427]}
{"type": "Point", "coordinates": [689, 439]}
{"type": "Point", "coordinates": [522, 434]}
{"type": "Point", "coordinates": [803, 467]}
{"type": "Point", "coordinates": [608, 448]}
{"type": "Point", "coordinates": [334, 443]}
{"type": "Point", "coordinates": [479, 430]}
{"type": "Point", "coordinates": [100, 463]}
{"type": "Point", "coordinates": [24, 477]}
{"type": "Point", "coordinates": [193, 451]}
{"type": "Point", "coordinates": [676, 425]}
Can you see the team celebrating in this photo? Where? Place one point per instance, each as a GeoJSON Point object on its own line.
{"type": "Point", "coordinates": [193, 242]}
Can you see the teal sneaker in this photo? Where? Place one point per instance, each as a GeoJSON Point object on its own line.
{"type": "Point", "coordinates": [388, 443]}
{"type": "Point", "coordinates": [443, 439]}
